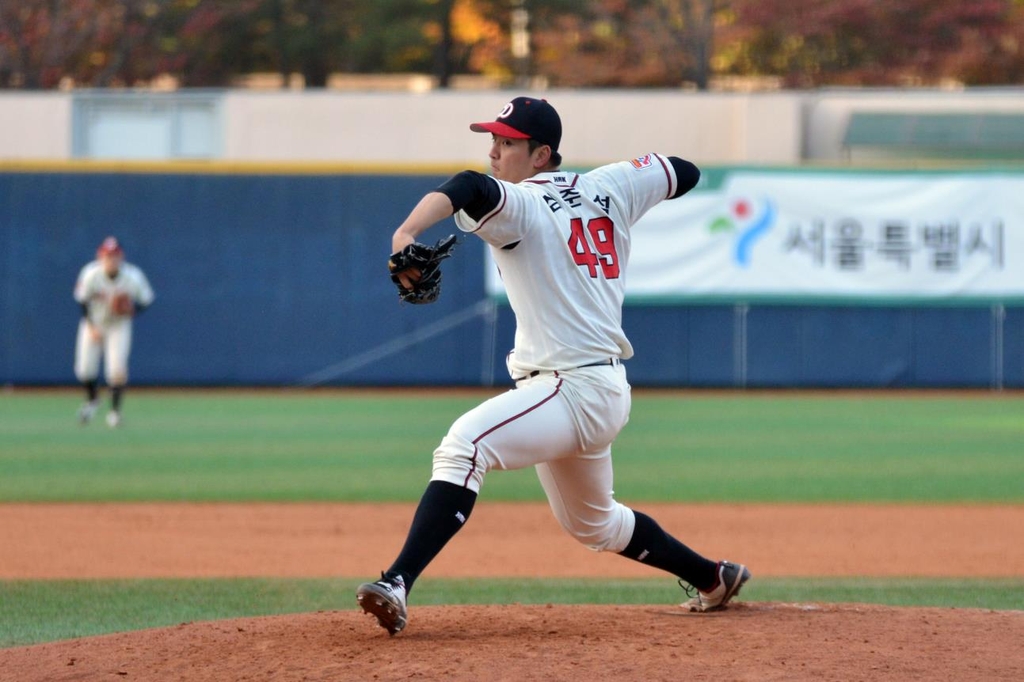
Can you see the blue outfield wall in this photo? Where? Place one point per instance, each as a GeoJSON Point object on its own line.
{"type": "Point", "coordinates": [280, 279]}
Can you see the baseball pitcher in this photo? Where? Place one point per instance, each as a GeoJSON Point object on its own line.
{"type": "Point", "coordinates": [561, 241]}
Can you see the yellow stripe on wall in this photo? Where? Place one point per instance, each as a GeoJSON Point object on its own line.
{"type": "Point", "coordinates": [225, 167]}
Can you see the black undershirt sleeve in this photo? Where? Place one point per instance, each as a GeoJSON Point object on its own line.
{"type": "Point", "coordinates": [85, 309]}
{"type": "Point", "coordinates": [472, 192]}
{"type": "Point", "coordinates": [687, 175]}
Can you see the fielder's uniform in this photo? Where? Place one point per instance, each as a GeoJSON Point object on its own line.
{"type": "Point", "coordinates": [95, 291]}
{"type": "Point", "coordinates": [561, 241]}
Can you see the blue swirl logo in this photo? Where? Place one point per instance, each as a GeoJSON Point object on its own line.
{"type": "Point", "coordinates": [752, 224]}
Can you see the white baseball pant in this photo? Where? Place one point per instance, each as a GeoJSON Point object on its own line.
{"type": "Point", "coordinates": [113, 346]}
{"type": "Point", "coordinates": [563, 424]}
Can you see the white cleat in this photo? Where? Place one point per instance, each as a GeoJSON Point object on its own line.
{"type": "Point", "coordinates": [113, 419]}
{"type": "Point", "coordinates": [385, 599]}
{"type": "Point", "coordinates": [731, 578]}
{"type": "Point", "coordinates": [87, 411]}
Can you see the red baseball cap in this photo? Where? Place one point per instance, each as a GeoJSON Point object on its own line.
{"type": "Point", "coordinates": [110, 247]}
{"type": "Point", "coordinates": [525, 118]}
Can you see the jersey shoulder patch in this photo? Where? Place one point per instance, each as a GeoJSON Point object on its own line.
{"type": "Point", "coordinates": [641, 162]}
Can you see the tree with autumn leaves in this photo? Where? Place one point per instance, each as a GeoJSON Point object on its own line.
{"type": "Point", "coordinates": [877, 42]}
{"type": "Point", "coordinates": [572, 43]}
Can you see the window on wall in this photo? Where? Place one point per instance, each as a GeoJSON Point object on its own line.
{"type": "Point", "coordinates": [958, 136]}
{"type": "Point", "coordinates": [141, 126]}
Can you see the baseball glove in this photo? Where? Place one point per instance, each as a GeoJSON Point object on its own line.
{"type": "Point", "coordinates": [421, 264]}
{"type": "Point", "coordinates": [121, 305]}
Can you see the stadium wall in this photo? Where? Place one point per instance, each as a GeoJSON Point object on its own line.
{"type": "Point", "coordinates": [278, 279]}
{"type": "Point", "coordinates": [238, 125]}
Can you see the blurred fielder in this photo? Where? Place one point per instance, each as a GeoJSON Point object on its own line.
{"type": "Point", "coordinates": [111, 292]}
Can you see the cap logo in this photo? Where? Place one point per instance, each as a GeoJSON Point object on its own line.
{"type": "Point", "coordinates": [506, 111]}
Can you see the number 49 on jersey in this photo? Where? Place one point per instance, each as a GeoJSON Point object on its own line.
{"type": "Point", "coordinates": [594, 245]}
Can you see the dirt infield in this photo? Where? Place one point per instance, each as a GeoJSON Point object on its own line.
{"type": "Point", "coordinates": [752, 641]}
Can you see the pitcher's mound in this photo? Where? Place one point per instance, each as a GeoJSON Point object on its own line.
{"type": "Point", "coordinates": [750, 641]}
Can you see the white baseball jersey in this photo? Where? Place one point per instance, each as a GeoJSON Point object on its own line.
{"type": "Point", "coordinates": [96, 290]}
{"type": "Point", "coordinates": [561, 241]}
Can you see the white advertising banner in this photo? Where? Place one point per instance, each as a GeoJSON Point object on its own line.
{"type": "Point", "coordinates": [833, 235]}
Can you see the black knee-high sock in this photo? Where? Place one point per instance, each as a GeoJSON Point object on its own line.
{"type": "Point", "coordinates": [443, 509]}
{"type": "Point", "coordinates": [91, 389]}
{"type": "Point", "coordinates": [115, 397]}
{"type": "Point", "coordinates": [653, 546]}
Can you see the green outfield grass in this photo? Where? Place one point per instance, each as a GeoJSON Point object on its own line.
{"type": "Point", "coordinates": [334, 446]}
{"type": "Point", "coordinates": [283, 445]}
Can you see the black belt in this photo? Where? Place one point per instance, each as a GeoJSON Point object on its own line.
{"type": "Point", "coordinates": [601, 363]}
